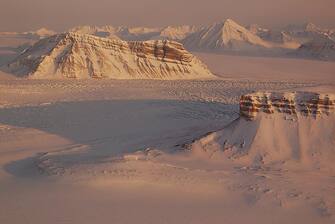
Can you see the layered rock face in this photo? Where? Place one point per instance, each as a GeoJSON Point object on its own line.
{"type": "Point", "coordinates": [74, 55]}
{"type": "Point", "coordinates": [288, 103]}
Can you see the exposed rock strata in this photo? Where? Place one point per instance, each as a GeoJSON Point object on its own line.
{"type": "Point", "coordinates": [74, 55]}
{"type": "Point", "coordinates": [288, 103]}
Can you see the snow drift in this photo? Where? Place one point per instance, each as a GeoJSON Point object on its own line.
{"type": "Point", "coordinates": [75, 55]}
{"type": "Point", "coordinates": [277, 128]}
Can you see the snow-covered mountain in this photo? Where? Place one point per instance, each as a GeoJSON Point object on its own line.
{"type": "Point", "coordinates": [277, 128]}
{"type": "Point", "coordinates": [308, 32]}
{"type": "Point", "coordinates": [104, 31]}
{"type": "Point", "coordinates": [42, 33]}
{"type": "Point", "coordinates": [74, 55]}
{"type": "Point", "coordinates": [321, 48]}
{"type": "Point", "coordinates": [176, 33]}
{"type": "Point", "coordinates": [227, 35]}
{"type": "Point", "coordinates": [278, 38]}
{"type": "Point", "coordinates": [307, 40]}
{"type": "Point", "coordinates": [120, 32]}
{"type": "Point", "coordinates": [35, 35]}
{"type": "Point", "coordinates": [257, 29]}
{"type": "Point", "coordinates": [137, 33]}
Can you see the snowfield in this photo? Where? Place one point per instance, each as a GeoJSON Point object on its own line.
{"type": "Point", "coordinates": [126, 151]}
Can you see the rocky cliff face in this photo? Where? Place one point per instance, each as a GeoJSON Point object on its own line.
{"type": "Point", "coordinates": [74, 55]}
{"type": "Point", "coordinates": [307, 104]}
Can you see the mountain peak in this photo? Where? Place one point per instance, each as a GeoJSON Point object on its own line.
{"type": "Point", "coordinates": [226, 23]}
{"type": "Point", "coordinates": [230, 22]}
{"type": "Point", "coordinates": [227, 35]}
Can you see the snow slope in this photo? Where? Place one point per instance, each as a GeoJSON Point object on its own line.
{"type": "Point", "coordinates": [74, 55]}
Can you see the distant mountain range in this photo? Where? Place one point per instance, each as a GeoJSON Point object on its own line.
{"type": "Point", "coordinates": [307, 40]}
{"type": "Point", "coordinates": [230, 37]}
{"type": "Point", "coordinates": [176, 33]}
{"type": "Point", "coordinates": [37, 34]}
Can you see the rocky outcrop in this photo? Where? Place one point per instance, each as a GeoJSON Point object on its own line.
{"type": "Point", "coordinates": [307, 104]}
{"type": "Point", "coordinates": [75, 55]}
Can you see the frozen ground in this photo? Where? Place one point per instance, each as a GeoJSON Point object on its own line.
{"type": "Point", "coordinates": [66, 151]}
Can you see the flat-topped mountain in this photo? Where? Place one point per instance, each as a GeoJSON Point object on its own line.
{"type": "Point", "coordinates": [75, 55]}
{"type": "Point", "coordinates": [277, 128]}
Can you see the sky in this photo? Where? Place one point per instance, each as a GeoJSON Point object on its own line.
{"type": "Point", "coordinates": [25, 15]}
